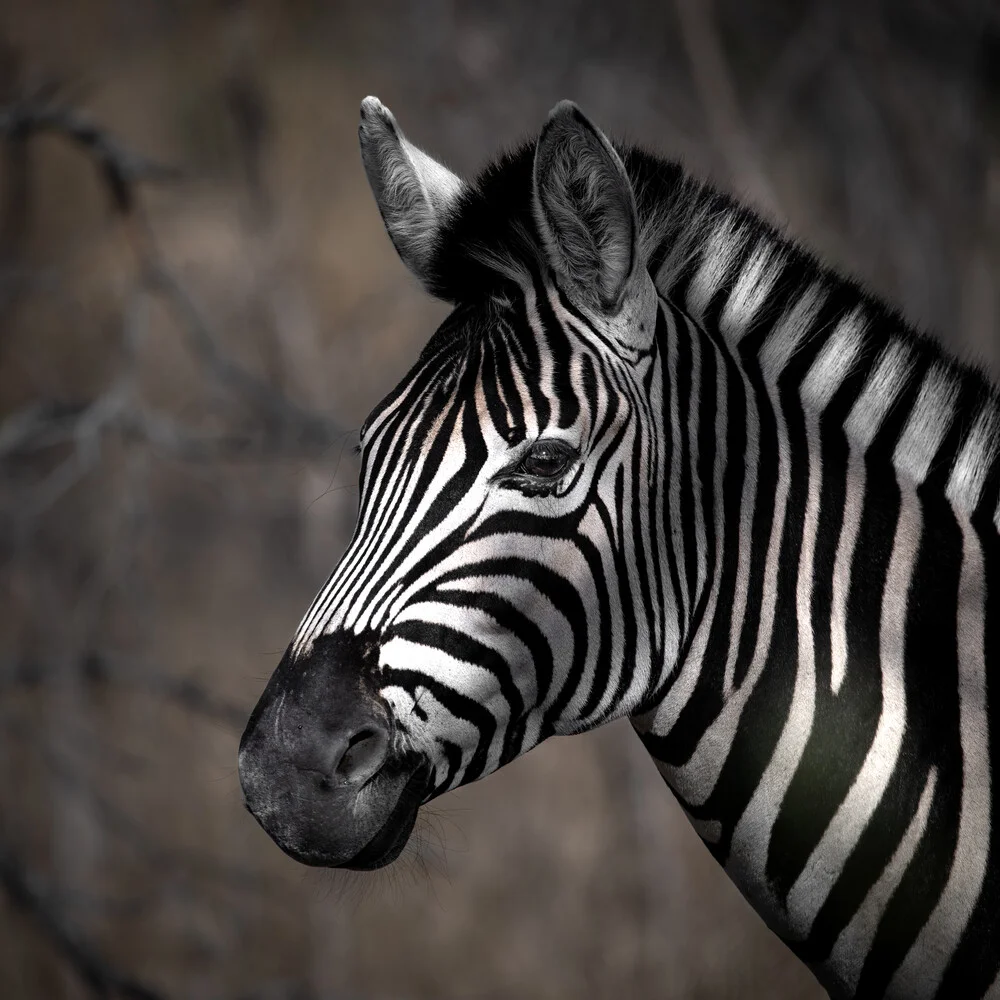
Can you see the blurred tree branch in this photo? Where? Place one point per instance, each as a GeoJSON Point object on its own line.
{"type": "Point", "coordinates": [121, 170]}
{"type": "Point", "coordinates": [193, 864]}
{"type": "Point", "coordinates": [285, 425]}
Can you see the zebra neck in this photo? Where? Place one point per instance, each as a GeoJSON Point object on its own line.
{"type": "Point", "coordinates": [786, 389]}
{"type": "Point", "coordinates": [823, 704]}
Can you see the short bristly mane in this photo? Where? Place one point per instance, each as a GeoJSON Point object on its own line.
{"type": "Point", "coordinates": [703, 247]}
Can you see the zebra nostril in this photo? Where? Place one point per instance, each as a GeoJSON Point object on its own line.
{"type": "Point", "coordinates": [364, 756]}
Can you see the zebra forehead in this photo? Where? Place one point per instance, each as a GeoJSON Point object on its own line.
{"type": "Point", "coordinates": [493, 331]}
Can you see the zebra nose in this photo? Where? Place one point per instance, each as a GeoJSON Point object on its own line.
{"type": "Point", "coordinates": [353, 758]}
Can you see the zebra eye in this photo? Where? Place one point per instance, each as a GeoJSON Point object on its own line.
{"type": "Point", "coordinates": [547, 459]}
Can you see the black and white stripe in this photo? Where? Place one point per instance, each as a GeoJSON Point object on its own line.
{"type": "Point", "coordinates": [777, 547]}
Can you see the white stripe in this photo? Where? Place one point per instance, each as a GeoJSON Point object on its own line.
{"type": "Point", "coordinates": [698, 343]}
{"type": "Point", "coordinates": [968, 477]}
{"type": "Point", "coordinates": [847, 958]}
{"type": "Point", "coordinates": [651, 523]}
{"type": "Point", "coordinates": [592, 528]}
{"type": "Point", "coordinates": [547, 369]}
{"type": "Point", "coordinates": [787, 335]}
{"type": "Point", "coordinates": [843, 566]}
{"type": "Point", "coordinates": [721, 249]}
{"type": "Point", "coordinates": [826, 376]}
{"type": "Point", "coordinates": [829, 856]}
{"type": "Point", "coordinates": [673, 332]}
{"type": "Point", "coordinates": [833, 364]}
{"type": "Point", "coordinates": [670, 602]}
{"type": "Point", "coordinates": [879, 395]}
{"type": "Point", "coordinates": [927, 426]}
{"type": "Point", "coordinates": [751, 290]}
{"type": "Point", "coordinates": [710, 830]}
{"type": "Point", "coordinates": [993, 993]}
{"type": "Point", "coordinates": [924, 965]}
{"type": "Point", "coordinates": [864, 421]}
{"type": "Point", "coordinates": [748, 504]}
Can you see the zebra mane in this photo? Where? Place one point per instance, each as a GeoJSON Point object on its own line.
{"type": "Point", "coordinates": [703, 248]}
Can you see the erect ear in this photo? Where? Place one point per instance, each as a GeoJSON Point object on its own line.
{"type": "Point", "coordinates": [413, 191]}
{"type": "Point", "coordinates": [584, 208]}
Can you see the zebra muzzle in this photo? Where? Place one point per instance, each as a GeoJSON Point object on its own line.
{"type": "Point", "coordinates": [318, 763]}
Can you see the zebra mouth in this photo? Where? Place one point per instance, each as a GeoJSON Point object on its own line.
{"type": "Point", "coordinates": [390, 840]}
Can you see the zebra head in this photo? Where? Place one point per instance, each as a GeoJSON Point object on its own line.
{"type": "Point", "coordinates": [506, 547]}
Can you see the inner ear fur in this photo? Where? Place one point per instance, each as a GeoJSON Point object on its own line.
{"type": "Point", "coordinates": [585, 209]}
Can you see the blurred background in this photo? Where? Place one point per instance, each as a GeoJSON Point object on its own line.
{"type": "Point", "coordinates": [198, 306]}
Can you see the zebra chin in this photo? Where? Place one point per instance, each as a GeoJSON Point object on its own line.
{"type": "Point", "coordinates": [321, 766]}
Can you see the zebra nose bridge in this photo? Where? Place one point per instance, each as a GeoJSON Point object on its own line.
{"type": "Point", "coordinates": [341, 607]}
{"type": "Point", "coordinates": [371, 601]}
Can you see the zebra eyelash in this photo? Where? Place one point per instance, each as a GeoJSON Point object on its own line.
{"type": "Point", "coordinates": [527, 486]}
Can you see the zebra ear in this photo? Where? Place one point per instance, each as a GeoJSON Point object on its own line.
{"type": "Point", "coordinates": [413, 191]}
{"type": "Point", "coordinates": [584, 208]}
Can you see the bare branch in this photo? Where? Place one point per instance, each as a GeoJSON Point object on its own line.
{"type": "Point", "coordinates": [122, 171]}
{"type": "Point", "coordinates": [180, 862]}
{"type": "Point", "coordinates": [120, 168]}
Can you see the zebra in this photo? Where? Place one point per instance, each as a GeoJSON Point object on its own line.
{"type": "Point", "coordinates": [661, 463]}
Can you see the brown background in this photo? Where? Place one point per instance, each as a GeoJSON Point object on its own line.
{"type": "Point", "coordinates": [175, 483]}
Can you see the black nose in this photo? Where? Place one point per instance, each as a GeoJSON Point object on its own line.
{"type": "Point", "coordinates": [318, 765]}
